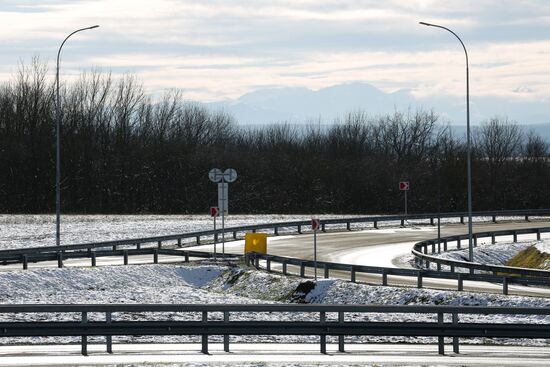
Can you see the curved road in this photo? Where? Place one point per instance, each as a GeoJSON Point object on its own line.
{"type": "Point", "coordinates": [388, 247]}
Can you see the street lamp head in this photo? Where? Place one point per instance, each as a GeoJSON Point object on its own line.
{"type": "Point", "coordinates": [94, 26]}
{"type": "Point", "coordinates": [424, 23]}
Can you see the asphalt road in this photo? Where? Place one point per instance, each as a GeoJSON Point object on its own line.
{"type": "Point", "coordinates": [274, 354]}
{"type": "Point", "coordinates": [388, 247]}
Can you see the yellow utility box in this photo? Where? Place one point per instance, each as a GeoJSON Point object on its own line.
{"type": "Point", "coordinates": [255, 242]}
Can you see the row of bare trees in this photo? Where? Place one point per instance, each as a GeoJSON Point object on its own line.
{"type": "Point", "coordinates": [124, 153]}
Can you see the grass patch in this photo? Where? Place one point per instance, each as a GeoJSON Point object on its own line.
{"type": "Point", "coordinates": [531, 257]}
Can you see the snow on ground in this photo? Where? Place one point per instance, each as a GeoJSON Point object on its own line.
{"type": "Point", "coordinates": [39, 230]}
{"type": "Point", "coordinates": [487, 253]}
{"type": "Point", "coordinates": [206, 282]}
{"type": "Point", "coordinates": [543, 246]}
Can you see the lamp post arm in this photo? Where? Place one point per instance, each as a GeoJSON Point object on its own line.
{"type": "Point", "coordinates": [58, 141]}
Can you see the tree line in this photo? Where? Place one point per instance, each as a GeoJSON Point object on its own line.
{"type": "Point", "coordinates": [122, 152]}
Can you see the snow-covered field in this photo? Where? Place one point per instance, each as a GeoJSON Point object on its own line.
{"type": "Point", "coordinates": [206, 282]}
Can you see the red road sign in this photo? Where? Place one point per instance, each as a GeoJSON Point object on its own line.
{"type": "Point", "coordinates": [214, 211]}
{"type": "Point", "coordinates": [315, 224]}
{"type": "Point", "coordinates": [404, 185]}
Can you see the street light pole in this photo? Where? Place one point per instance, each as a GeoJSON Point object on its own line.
{"type": "Point", "coordinates": [58, 143]}
{"type": "Point", "coordinates": [468, 141]}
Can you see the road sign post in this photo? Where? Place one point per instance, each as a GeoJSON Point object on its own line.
{"type": "Point", "coordinates": [404, 186]}
{"type": "Point", "coordinates": [315, 224]}
{"type": "Point", "coordinates": [223, 178]}
{"type": "Point", "coordinates": [215, 212]}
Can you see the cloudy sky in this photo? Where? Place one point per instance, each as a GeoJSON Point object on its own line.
{"type": "Point", "coordinates": [220, 50]}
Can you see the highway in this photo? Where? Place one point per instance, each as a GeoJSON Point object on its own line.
{"type": "Point", "coordinates": [387, 247]}
{"type": "Point", "coordinates": [274, 354]}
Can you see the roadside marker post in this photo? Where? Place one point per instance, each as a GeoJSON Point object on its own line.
{"type": "Point", "coordinates": [315, 224]}
{"type": "Point", "coordinates": [404, 186]}
{"type": "Point", "coordinates": [215, 212]}
{"type": "Point", "coordinates": [223, 179]}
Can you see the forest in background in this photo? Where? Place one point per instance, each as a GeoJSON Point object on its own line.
{"type": "Point", "coordinates": [123, 153]}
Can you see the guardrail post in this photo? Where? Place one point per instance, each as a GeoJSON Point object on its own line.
{"type": "Point", "coordinates": [384, 277]}
{"type": "Point", "coordinates": [494, 218]}
{"type": "Point", "coordinates": [376, 224]}
{"type": "Point", "coordinates": [322, 319]}
{"type": "Point", "coordinates": [25, 262]}
{"type": "Point", "coordinates": [268, 264]}
{"type": "Point", "coordinates": [59, 259]}
{"type": "Point", "coordinates": [438, 267]}
{"type": "Point", "coordinates": [204, 338]}
{"type": "Point", "coordinates": [109, 338]}
{"type": "Point", "coordinates": [433, 247]}
{"type": "Point", "coordinates": [93, 259]}
{"type": "Point", "coordinates": [256, 261]}
{"type": "Point", "coordinates": [460, 282]}
{"type": "Point", "coordinates": [438, 247]}
{"type": "Point", "coordinates": [527, 218]}
{"type": "Point", "coordinates": [341, 337]}
{"type": "Point", "coordinates": [198, 240]}
{"type": "Point", "coordinates": [114, 248]}
{"type": "Point", "coordinates": [353, 274]}
{"type": "Point", "coordinates": [326, 271]}
{"type": "Point", "coordinates": [323, 227]}
{"type": "Point", "coordinates": [284, 267]}
{"type": "Point", "coordinates": [455, 338]}
{"type": "Point", "coordinates": [235, 235]}
{"type": "Point", "coordinates": [419, 280]}
{"type": "Point", "coordinates": [452, 268]}
{"type": "Point", "coordinates": [458, 246]}
{"type": "Point", "coordinates": [156, 256]}
{"type": "Point", "coordinates": [138, 245]}
{"type": "Point", "coordinates": [402, 222]}
{"type": "Point", "coordinates": [276, 231]}
{"type": "Point", "coordinates": [515, 236]}
{"type": "Point", "coordinates": [159, 244]}
{"type": "Point", "coordinates": [348, 226]}
{"type": "Point", "coordinates": [299, 229]}
{"type": "Point", "coordinates": [461, 219]}
{"type": "Point", "coordinates": [84, 343]}
{"type": "Point", "coordinates": [186, 255]}
{"type": "Point", "coordinates": [475, 239]}
{"type": "Point", "coordinates": [505, 285]}
{"type": "Point", "coordinates": [302, 269]}
{"type": "Point", "coordinates": [445, 245]}
{"type": "Point", "coordinates": [431, 221]}
{"type": "Point", "coordinates": [216, 236]}
{"type": "Point", "coordinates": [226, 337]}
{"type": "Point", "coordinates": [493, 239]}
{"type": "Point", "coordinates": [538, 234]}
{"type": "Point", "coordinates": [440, 339]}
{"type": "Point", "coordinates": [125, 255]}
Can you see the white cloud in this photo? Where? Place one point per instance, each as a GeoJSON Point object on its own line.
{"type": "Point", "coordinates": [223, 49]}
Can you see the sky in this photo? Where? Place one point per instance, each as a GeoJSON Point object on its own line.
{"type": "Point", "coordinates": [221, 50]}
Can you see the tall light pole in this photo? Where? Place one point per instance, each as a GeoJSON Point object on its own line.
{"type": "Point", "coordinates": [58, 142]}
{"type": "Point", "coordinates": [468, 141]}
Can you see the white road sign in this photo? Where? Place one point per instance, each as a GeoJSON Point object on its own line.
{"type": "Point", "coordinates": [229, 175]}
{"type": "Point", "coordinates": [223, 197]}
{"type": "Point", "coordinates": [215, 175]}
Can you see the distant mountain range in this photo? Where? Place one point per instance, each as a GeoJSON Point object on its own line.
{"type": "Point", "coordinates": [299, 105]}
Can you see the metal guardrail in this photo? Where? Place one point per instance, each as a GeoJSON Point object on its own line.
{"type": "Point", "coordinates": [422, 258]}
{"type": "Point", "coordinates": [253, 259]}
{"type": "Point", "coordinates": [109, 325]}
{"type": "Point", "coordinates": [133, 246]}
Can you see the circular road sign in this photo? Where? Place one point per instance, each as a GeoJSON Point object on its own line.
{"type": "Point", "coordinates": [215, 175]}
{"type": "Point", "coordinates": [230, 175]}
